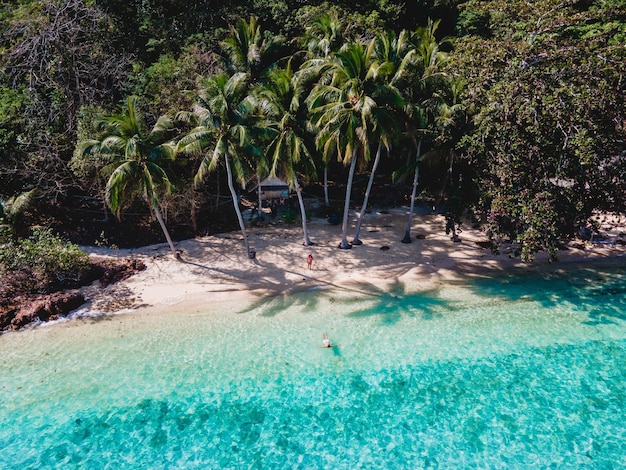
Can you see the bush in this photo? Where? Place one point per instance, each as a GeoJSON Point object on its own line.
{"type": "Point", "coordinates": [50, 259]}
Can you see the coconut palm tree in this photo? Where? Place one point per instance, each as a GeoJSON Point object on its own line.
{"type": "Point", "coordinates": [348, 111]}
{"type": "Point", "coordinates": [135, 159]}
{"type": "Point", "coordinates": [289, 150]}
{"type": "Point", "coordinates": [450, 121]}
{"type": "Point", "coordinates": [13, 208]}
{"type": "Point", "coordinates": [422, 97]}
{"type": "Point", "coordinates": [323, 38]}
{"type": "Point", "coordinates": [391, 57]}
{"type": "Point", "coordinates": [415, 123]}
{"type": "Point", "coordinates": [224, 126]}
{"type": "Point", "coordinates": [248, 50]}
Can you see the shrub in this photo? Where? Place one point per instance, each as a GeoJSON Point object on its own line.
{"type": "Point", "coordinates": [50, 259]}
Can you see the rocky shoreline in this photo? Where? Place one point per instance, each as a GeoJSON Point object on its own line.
{"type": "Point", "coordinates": [20, 307]}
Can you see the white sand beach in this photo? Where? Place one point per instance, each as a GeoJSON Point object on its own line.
{"type": "Point", "coordinates": [216, 268]}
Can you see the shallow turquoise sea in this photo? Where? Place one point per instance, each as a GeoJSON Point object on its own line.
{"type": "Point", "coordinates": [514, 371]}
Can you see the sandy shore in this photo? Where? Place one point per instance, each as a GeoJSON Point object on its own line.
{"type": "Point", "coordinates": [215, 268]}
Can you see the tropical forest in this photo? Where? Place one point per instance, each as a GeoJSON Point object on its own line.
{"type": "Point", "coordinates": [133, 122]}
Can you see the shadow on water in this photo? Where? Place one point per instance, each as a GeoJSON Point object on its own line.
{"type": "Point", "coordinates": [276, 304]}
{"type": "Point", "coordinates": [392, 307]}
{"type": "Point", "coordinates": [599, 289]}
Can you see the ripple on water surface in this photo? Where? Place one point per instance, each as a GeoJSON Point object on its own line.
{"type": "Point", "coordinates": [516, 372]}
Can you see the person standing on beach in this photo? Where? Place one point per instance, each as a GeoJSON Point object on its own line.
{"type": "Point", "coordinates": [309, 260]}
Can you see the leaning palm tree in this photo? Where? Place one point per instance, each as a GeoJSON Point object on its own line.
{"type": "Point", "coordinates": [290, 148]}
{"type": "Point", "coordinates": [135, 159]}
{"type": "Point", "coordinates": [225, 126]}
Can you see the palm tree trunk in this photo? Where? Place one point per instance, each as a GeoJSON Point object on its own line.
{"type": "Point", "coordinates": [105, 209]}
{"type": "Point", "coordinates": [307, 241]}
{"type": "Point", "coordinates": [157, 213]}
{"type": "Point", "coordinates": [233, 193]}
{"type": "Point", "coordinates": [326, 186]}
{"type": "Point", "coordinates": [407, 233]}
{"type": "Point", "coordinates": [359, 221]}
{"type": "Point", "coordinates": [344, 245]}
{"type": "Point", "coordinates": [259, 210]}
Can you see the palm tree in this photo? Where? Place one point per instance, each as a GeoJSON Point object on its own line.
{"type": "Point", "coordinates": [223, 115]}
{"type": "Point", "coordinates": [450, 121]}
{"type": "Point", "coordinates": [289, 150]}
{"type": "Point", "coordinates": [135, 158]}
{"type": "Point", "coordinates": [347, 112]}
{"type": "Point", "coordinates": [421, 94]}
{"type": "Point", "coordinates": [391, 56]}
{"type": "Point", "coordinates": [415, 123]}
{"type": "Point", "coordinates": [323, 38]}
{"type": "Point", "coordinates": [248, 50]}
{"type": "Point", "coordinates": [13, 208]}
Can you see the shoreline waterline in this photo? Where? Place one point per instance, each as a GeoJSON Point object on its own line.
{"type": "Point", "coordinates": [485, 372]}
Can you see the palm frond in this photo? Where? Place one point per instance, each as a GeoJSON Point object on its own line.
{"type": "Point", "coordinates": [196, 141]}
{"type": "Point", "coordinates": [123, 177]}
{"type": "Point", "coordinates": [166, 151]}
{"type": "Point", "coordinates": [90, 147]}
{"type": "Point", "coordinates": [163, 125]}
{"type": "Point", "coordinates": [158, 174]}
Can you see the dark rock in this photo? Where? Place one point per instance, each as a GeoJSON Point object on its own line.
{"type": "Point", "coordinates": [118, 270]}
{"type": "Point", "coordinates": [24, 298]}
{"type": "Point", "coordinates": [6, 316]}
{"type": "Point", "coordinates": [49, 307]}
{"type": "Point", "coordinates": [384, 248]}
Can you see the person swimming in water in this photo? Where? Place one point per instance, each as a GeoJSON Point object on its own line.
{"type": "Point", "coordinates": [327, 343]}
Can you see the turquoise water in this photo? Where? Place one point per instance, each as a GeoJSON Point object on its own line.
{"type": "Point", "coordinates": [511, 372]}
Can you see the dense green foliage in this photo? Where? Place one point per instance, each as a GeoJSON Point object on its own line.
{"type": "Point", "coordinates": [48, 259]}
{"type": "Point", "coordinates": [548, 140]}
{"type": "Point", "coordinates": [519, 118]}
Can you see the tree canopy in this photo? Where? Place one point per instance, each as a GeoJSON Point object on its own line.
{"type": "Point", "coordinates": [526, 133]}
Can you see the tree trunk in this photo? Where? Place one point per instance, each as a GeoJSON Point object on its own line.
{"type": "Point", "coordinates": [326, 186]}
{"type": "Point", "coordinates": [344, 245]}
{"type": "Point", "coordinates": [407, 233]}
{"type": "Point", "coordinates": [359, 221]}
{"type": "Point", "coordinates": [259, 210]}
{"type": "Point", "coordinates": [307, 241]}
{"type": "Point", "coordinates": [106, 212]}
{"type": "Point", "coordinates": [233, 193]}
{"type": "Point", "coordinates": [157, 213]}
